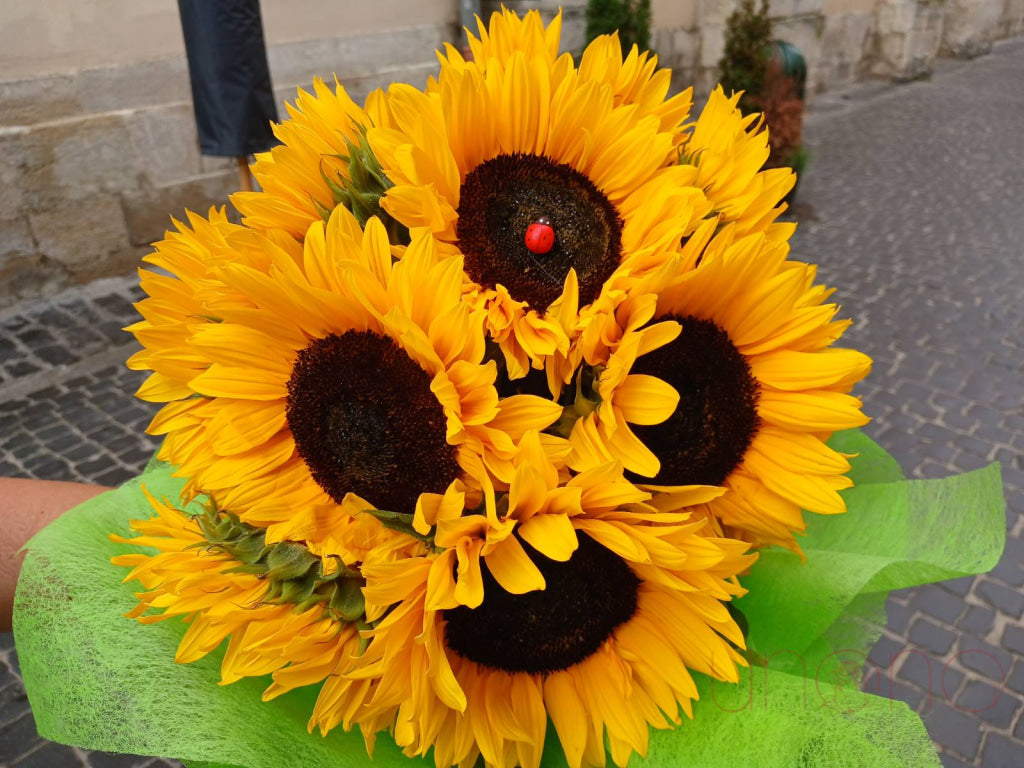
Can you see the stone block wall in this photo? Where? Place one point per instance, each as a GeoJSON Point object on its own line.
{"type": "Point", "coordinates": [94, 162]}
{"type": "Point", "coordinates": [971, 26]}
{"type": "Point", "coordinates": [1011, 20]}
{"type": "Point", "coordinates": [845, 38]}
{"type": "Point", "coordinates": [841, 40]}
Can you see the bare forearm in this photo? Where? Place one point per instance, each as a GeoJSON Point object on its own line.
{"type": "Point", "coordinates": [25, 507]}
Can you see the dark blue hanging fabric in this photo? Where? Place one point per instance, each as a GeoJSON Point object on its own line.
{"type": "Point", "coordinates": [227, 64]}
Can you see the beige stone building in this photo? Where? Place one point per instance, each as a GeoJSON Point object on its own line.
{"type": "Point", "coordinates": [97, 140]}
{"type": "Point", "coordinates": [842, 40]}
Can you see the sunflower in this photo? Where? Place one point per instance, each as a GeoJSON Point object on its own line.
{"type": "Point", "coordinates": [605, 650]}
{"type": "Point", "coordinates": [298, 622]}
{"type": "Point", "coordinates": [607, 643]}
{"type": "Point", "coordinates": [516, 137]}
{"type": "Point", "coordinates": [609, 397]}
{"type": "Point", "coordinates": [308, 377]}
{"type": "Point", "coordinates": [634, 79]}
{"type": "Point", "coordinates": [312, 170]}
{"type": "Point", "coordinates": [729, 150]}
{"type": "Point", "coordinates": [511, 142]}
{"type": "Point", "coordinates": [760, 391]}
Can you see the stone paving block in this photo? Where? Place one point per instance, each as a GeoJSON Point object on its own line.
{"type": "Point", "coordinates": [49, 755]}
{"type": "Point", "coordinates": [988, 661]}
{"type": "Point", "coordinates": [959, 586]}
{"type": "Point", "coordinates": [899, 616]}
{"type": "Point", "coordinates": [950, 760]}
{"type": "Point", "coordinates": [1015, 681]}
{"type": "Point", "coordinates": [931, 636]}
{"type": "Point", "coordinates": [937, 603]}
{"type": "Point", "coordinates": [1000, 752]}
{"type": "Point", "coordinates": [917, 700]}
{"type": "Point", "coordinates": [18, 737]}
{"type": "Point", "coordinates": [930, 674]}
{"type": "Point", "coordinates": [121, 306]}
{"type": "Point", "coordinates": [932, 470]}
{"type": "Point", "coordinates": [1013, 639]}
{"type": "Point", "coordinates": [978, 620]}
{"type": "Point", "coordinates": [968, 462]}
{"type": "Point", "coordinates": [885, 685]}
{"type": "Point", "coordinates": [992, 704]}
{"type": "Point", "coordinates": [959, 421]}
{"type": "Point", "coordinates": [1005, 599]}
{"type": "Point", "coordinates": [21, 368]}
{"type": "Point", "coordinates": [960, 731]}
{"type": "Point", "coordinates": [884, 653]}
{"type": "Point", "coordinates": [1009, 570]}
{"type": "Point", "coordinates": [12, 695]}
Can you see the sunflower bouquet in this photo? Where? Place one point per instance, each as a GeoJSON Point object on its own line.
{"type": "Point", "coordinates": [488, 436]}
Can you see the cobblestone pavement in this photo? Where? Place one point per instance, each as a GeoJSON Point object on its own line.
{"type": "Point", "coordinates": [917, 221]}
{"type": "Point", "coordinates": [912, 208]}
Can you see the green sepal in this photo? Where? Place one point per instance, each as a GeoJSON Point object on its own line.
{"type": "Point", "coordinates": [288, 561]}
{"type": "Point", "coordinates": [401, 522]}
{"type": "Point", "coordinates": [362, 190]}
{"type": "Point", "coordinates": [294, 575]}
{"type": "Point", "coordinates": [322, 210]}
{"type": "Point", "coordinates": [347, 600]}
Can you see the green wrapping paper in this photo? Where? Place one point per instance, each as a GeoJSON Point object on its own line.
{"type": "Point", "coordinates": [98, 680]}
{"type": "Point", "coordinates": [896, 534]}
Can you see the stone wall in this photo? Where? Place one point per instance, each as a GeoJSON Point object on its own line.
{"type": "Point", "coordinates": [845, 39]}
{"type": "Point", "coordinates": [95, 160]}
{"type": "Point", "coordinates": [841, 40]}
{"type": "Point", "coordinates": [971, 26]}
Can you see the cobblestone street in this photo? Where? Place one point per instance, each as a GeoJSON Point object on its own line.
{"type": "Point", "coordinates": [912, 207]}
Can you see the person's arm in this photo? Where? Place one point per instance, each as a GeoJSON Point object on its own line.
{"type": "Point", "coordinates": [25, 507]}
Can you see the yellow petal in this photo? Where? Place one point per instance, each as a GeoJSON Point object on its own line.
{"type": "Point", "coordinates": [513, 569]}
{"type": "Point", "coordinates": [568, 715]}
{"type": "Point", "coordinates": [551, 535]}
{"type": "Point", "coordinates": [244, 383]}
{"type": "Point", "coordinates": [820, 411]}
{"type": "Point", "coordinates": [788, 370]}
{"type": "Point", "coordinates": [645, 399]}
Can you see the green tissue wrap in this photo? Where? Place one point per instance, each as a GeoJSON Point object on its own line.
{"type": "Point", "coordinates": [98, 680]}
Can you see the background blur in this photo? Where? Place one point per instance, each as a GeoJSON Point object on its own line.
{"type": "Point", "coordinates": [97, 137]}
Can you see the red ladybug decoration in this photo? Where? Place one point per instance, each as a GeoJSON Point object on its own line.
{"type": "Point", "coordinates": [540, 236]}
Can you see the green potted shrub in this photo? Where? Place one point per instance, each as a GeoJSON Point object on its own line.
{"type": "Point", "coordinates": [771, 75]}
{"type": "Point", "coordinates": [630, 18]}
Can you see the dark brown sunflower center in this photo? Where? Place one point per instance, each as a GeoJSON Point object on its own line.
{"type": "Point", "coordinates": [586, 598]}
{"type": "Point", "coordinates": [365, 421]}
{"type": "Point", "coordinates": [500, 200]}
{"type": "Point", "coordinates": [716, 419]}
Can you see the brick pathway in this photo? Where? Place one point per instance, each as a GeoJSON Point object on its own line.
{"type": "Point", "coordinates": [915, 217]}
